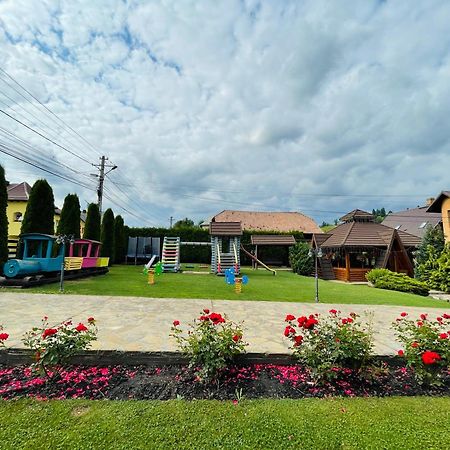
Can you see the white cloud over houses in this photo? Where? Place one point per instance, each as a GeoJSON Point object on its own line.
{"type": "Point", "coordinates": [207, 106]}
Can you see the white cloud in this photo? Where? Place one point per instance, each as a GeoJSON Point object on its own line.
{"type": "Point", "coordinates": [238, 104]}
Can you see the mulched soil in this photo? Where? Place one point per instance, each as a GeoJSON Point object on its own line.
{"type": "Point", "coordinates": [171, 382]}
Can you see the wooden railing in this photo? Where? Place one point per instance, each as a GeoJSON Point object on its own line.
{"type": "Point", "coordinates": [354, 275]}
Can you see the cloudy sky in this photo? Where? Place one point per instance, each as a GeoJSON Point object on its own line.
{"type": "Point", "coordinates": [311, 106]}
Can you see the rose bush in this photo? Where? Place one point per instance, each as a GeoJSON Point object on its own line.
{"type": "Point", "coordinates": [210, 344]}
{"type": "Point", "coordinates": [324, 343]}
{"type": "Point", "coordinates": [3, 337]}
{"type": "Point", "coordinates": [426, 345]}
{"type": "Point", "coordinates": [53, 346]}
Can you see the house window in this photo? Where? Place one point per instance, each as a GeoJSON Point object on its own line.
{"type": "Point", "coordinates": [423, 225]}
{"type": "Point", "coordinates": [18, 217]}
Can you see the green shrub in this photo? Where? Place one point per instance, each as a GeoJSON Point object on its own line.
{"type": "Point", "coordinates": [385, 279]}
{"type": "Point", "coordinates": [440, 275]}
{"type": "Point", "coordinates": [211, 344]}
{"type": "Point", "coordinates": [426, 345]}
{"type": "Point", "coordinates": [332, 341]}
{"type": "Point", "coordinates": [299, 258]}
{"type": "Point", "coordinates": [428, 252]}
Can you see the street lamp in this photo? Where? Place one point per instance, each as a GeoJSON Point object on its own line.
{"type": "Point", "coordinates": [63, 240]}
{"type": "Point", "coordinates": [317, 253]}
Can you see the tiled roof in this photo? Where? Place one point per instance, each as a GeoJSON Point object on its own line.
{"type": "Point", "coordinates": [366, 234]}
{"type": "Point", "coordinates": [18, 191]}
{"type": "Point", "coordinates": [413, 221]}
{"type": "Point", "coordinates": [270, 221]}
{"type": "Point", "coordinates": [357, 214]}
{"type": "Point", "coordinates": [225, 229]}
{"type": "Point", "coordinates": [272, 239]}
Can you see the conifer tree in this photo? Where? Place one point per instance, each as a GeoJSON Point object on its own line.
{"type": "Point", "coordinates": [428, 252]}
{"type": "Point", "coordinates": [69, 223]}
{"type": "Point", "coordinates": [3, 220]}
{"type": "Point", "coordinates": [107, 235]}
{"type": "Point", "coordinates": [40, 212]}
{"type": "Point", "coordinates": [92, 224]}
{"type": "Point", "coordinates": [120, 245]}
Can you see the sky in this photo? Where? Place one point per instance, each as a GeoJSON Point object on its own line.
{"type": "Point", "coordinates": [312, 106]}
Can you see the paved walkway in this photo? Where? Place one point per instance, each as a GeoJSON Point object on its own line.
{"type": "Point", "coordinates": [143, 324]}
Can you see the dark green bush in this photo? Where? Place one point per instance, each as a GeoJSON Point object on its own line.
{"type": "Point", "coordinates": [299, 258]}
{"type": "Point", "coordinates": [385, 279]}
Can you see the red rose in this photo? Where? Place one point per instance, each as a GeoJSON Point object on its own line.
{"type": "Point", "coordinates": [423, 316]}
{"type": "Point", "coordinates": [401, 353]}
{"type": "Point", "coordinates": [4, 336]}
{"type": "Point", "coordinates": [344, 321]}
{"type": "Point", "coordinates": [91, 320]}
{"type": "Point", "coordinates": [206, 311]}
{"type": "Point", "coordinates": [176, 323]}
{"type": "Point", "coordinates": [414, 344]}
{"type": "Point", "coordinates": [80, 327]}
{"type": "Point", "coordinates": [333, 311]}
{"type": "Point", "coordinates": [441, 336]}
{"type": "Point", "coordinates": [404, 314]}
{"type": "Point", "coordinates": [301, 320]}
{"type": "Point", "coordinates": [216, 318]}
{"type": "Point", "coordinates": [289, 318]}
{"type": "Point", "coordinates": [309, 324]}
{"type": "Point", "coordinates": [49, 332]}
{"type": "Point", "coordinates": [288, 331]}
{"type": "Point", "coordinates": [236, 338]}
{"type": "Point", "coordinates": [439, 319]}
{"type": "Point", "coordinates": [430, 357]}
{"type": "Point", "coordinates": [298, 340]}
{"type": "Point", "coordinates": [446, 316]}
{"type": "Point", "coordinates": [419, 323]}
{"type": "Point", "coordinates": [349, 320]}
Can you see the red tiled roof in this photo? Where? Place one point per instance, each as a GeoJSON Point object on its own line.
{"type": "Point", "coordinates": [19, 191]}
{"type": "Point", "coordinates": [272, 239]}
{"type": "Point", "coordinates": [269, 221]}
{"type": "Point", "coordinates": [225, 229]}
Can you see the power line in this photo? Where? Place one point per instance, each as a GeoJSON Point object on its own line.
{"type": "Point", "coordinates": [50, 111]}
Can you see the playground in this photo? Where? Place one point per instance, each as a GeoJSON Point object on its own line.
{"type": "Point", "coordinates": [130, 281]}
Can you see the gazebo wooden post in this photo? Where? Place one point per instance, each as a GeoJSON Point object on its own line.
{"type": "Point", "coordinates": [347, 266]}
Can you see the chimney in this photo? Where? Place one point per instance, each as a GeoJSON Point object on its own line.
{"type": "Point", "coordinates": [430, 201]}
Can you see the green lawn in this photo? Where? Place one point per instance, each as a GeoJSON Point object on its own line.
{"type": "Point", "coordinates": [285, 286]}
{"type": "Point", "coordinates": [384, 423]}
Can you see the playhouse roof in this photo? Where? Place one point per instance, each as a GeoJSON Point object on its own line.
{"type": "Point", "coordinates": [269, 221]}
{"type": "Point", "coordinates": [272, 239]}
{"type": "Point", "coordinates": [225, 229]}
{"type": "Point", "coordinates": [18, 191]}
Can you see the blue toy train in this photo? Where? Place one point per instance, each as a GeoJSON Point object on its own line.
{"type": "Point", "coordinates": [42, 259]}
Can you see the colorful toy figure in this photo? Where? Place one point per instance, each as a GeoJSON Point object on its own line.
{"type": "Point", "coordinates": [157, 270]}
{"type": "Point", "coordinates": [230, 278]}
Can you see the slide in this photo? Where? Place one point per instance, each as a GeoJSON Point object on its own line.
{"type": "Point", "coordinates": [150, 263]}
{"type": "Point", "coordinates": [257, 260]}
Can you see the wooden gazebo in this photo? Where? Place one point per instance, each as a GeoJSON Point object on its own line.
{"type": "Point", "coordinates": [359, 244]}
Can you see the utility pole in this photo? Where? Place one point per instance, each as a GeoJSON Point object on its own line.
{"type": "Point", "coordinates": [170, 221]}
{"type": "Point", "coordinates": [101, 178]}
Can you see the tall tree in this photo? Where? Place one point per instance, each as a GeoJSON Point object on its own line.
{"type": "Point", "coordinates": [40, 212]}
{"type": "Point", "coordinates": [428, 252]}
{"type": "Point", "coordinates": [120, 245]}
{"type": "Point", "coordinates": [184, 223]}
{"type": "Point", "coordinates": [92, 224]}
{"type": "Point", "coordinates": [3, 219]}
{"type": "Point", "coordinates": [69, 222]}
{"type": "Point", "coordinates": [107, 235]}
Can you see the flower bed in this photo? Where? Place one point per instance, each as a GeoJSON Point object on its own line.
{"type": "Point", "coordinates": [252, 381]}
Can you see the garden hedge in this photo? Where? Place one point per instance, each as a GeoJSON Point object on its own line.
{"type": "Point", "coordinates": [385, 279]}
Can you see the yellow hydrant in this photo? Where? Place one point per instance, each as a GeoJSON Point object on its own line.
{"type": "Point", "coordinates": [151, 276]}
{"type": "Point", "coordinates": [238, 285]}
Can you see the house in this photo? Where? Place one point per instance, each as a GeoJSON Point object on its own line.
{"type": "Point", "coordinates": [283, 222]}
{"type": "Point", "coordinates": [442, 205]}
{"type": "Point", "coordinates": [359, 244]}
{"type": "Point", "coordinates": [18, 195]}
{"type": "Point", "coordinates": [414, 220]}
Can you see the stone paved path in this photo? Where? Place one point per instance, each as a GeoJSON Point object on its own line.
{"type": "Point", "coordinates": [143, 324]}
